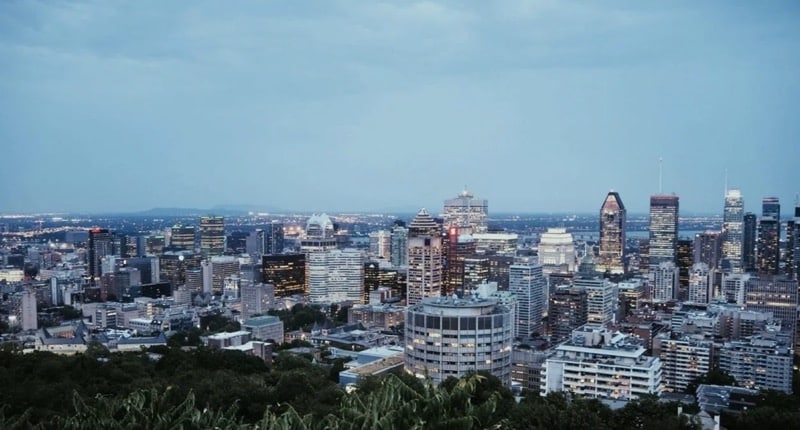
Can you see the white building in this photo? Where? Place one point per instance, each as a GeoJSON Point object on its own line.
{"type": "Point", "coordinates": [600, 364]}
{"type": "Point", "coordinates": [265, 328]}
{"type": "Point", "coordinates": [448, 336]}
{"type": "Point", "coordinates": [733, 287]}
{"type": "Point", "coordinates": [257, 299]}
{"type": "Point", "coordinates": [380, 244]}
{"type": "Point", "coordinates": [601, 295]}
{"type": "Point", "coordinates": [336, 276]}
{"type": "Point", "coordinates": [527, 282]}
{"type": "Point", "coordinates": [557, 251]}
{"type": "Point", "coordinates": [683, 358]}
{"type": "Point", "coordinates": [496, 243]}
{"type": "Point", "coordinates": [664, 281]}
{"type": "Point", "coordinates": [700, 283]}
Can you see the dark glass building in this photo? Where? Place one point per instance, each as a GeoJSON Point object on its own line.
{"type": "Point", "coordinates": [612, 235]}
{"type": "Point", "coordinates": [769, 233]}
{"type": "Point", "coordinates": [749, 242]}
{"type": "Point", "coordinates": [286, 272]}
{"type": "Point", "coordinates": [663, 229]}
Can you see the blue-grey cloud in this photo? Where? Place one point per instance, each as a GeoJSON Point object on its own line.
{"type": "Point", "coordinates": [537, 105]}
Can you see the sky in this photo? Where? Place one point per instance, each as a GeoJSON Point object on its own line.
{"type": "Point", "coordinates": [535, 105]}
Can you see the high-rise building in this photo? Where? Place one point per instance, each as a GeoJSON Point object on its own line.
{"type": "Point", "coordinates": [684, 358]}
{"type": "Point", "coordinates": [598, 363]}
{"type": "Point", "coordinates": [222, 266]}
{"type": "Point", "coordinates": [212, 236]}
{"type": "Point", "coordinates": [459, 247]}
{"type": "Point", "coordinates": [425, 273]}
{"type": "Point", "coordinates": [665, 281]}
{"type": "Point", "coordinates": [684, 262]}
{"type": "Point", "coordinates": [257, 299]}
{"type": "Point", "coordinates": [319, 234]}
{"type": "Point", "coordinates": [663, 229]}
{"type": "Point", "coordinates": [154, 245]}
{"type": "Point", "coordinates": [254, 243]}
{"type": "Point", "coordinates": [567, 312]}
{"type": "Point", "coordinates": [749, 242]}
{"type": "Point", "coordinates": [380, 244]}
{"type": "Point", "coordinates": [557, 251]}
{"type": "Point", "coordinates": [601, 296]}
{"type": "Point", "coordinates": [769, 234]}
{"type": "Point", "coordinates": [700, 284]}
{"type": "Point", "coordinates": [760, 362]}
{"type": "Point", "coordinates": [527, 282]}
{"type": "Point", "coordinates": [776, 294]}
{"type": "Point", "coordinates": [450, 336]}
{"type": "Point", "coordinates": [733, 230]}
{"type": "Point", "coordinates": [792, 256]}
{"type": "Point", "coordinates": [733, 287]}
{"type": "Point", "coordinates": [286, 272]}
{"type": "Point", "coordinates": [612, 235]}
{"type": "Point", "coordinates": [467, 212]}
{"type": "Point", "coordinates": [100, 245]}
{"type": "Point", "coordinates": [496, 243]}
{"type": "Point", "coordinates": [708, 248]}
{"type": "Point", "coordinates": [236, 242]}
{"type": "Point", "coordinates": [273, 238]}
{"type": "Point", "coordinates": [336, 276]}
{"type": "Point", "coordinates": [476, 271]}
{"type": "Point", "coordinates": [399, 246]}
{"type": "Point", "coordinates": [182, 237]}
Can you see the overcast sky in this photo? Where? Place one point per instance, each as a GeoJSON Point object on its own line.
{"type": "Point", "coordinates": [538, 106]}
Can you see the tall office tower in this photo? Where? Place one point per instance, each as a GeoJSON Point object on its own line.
{"type": "Point", "coordinates": [557, 251]}
{"type": "Point", "coordinates": [700, 284]}
{"type": "Point", "coordinates": [708, 248]}
{"type": "Point", "coordinates": [776, 294]}
{"type": "Point", "coordinates": [663, 229]}
{"type": "Point", "coordinates": [665, 281]}
{"type": "Point", "coordinates": [600, 294]}
{"type": "Point", "coordinates": [460, 247]}
{"type": "Point", "coordinates": [372, 279]}
{"type": "Point", "coordinates": [380, 244]}
{"type": "Point", "coordinates": [222, 266]}
{"type": "Point", "coordinates": [273, 238]}
{"type": "Point", "coordinates": [476, 271]}
{"type": "Point", "coordinates": [527, 282]}
{"type": "Point", "coordinates": [236, 242]}
{"type": "Point", "coordinates": [119, 245]}
{"type": "Point", "coordinates": [154, 245]}
{"type": "Point", "coordinates": [100, 245]}
{"type": "Point", "coordinates": [733, 231]}
{"type": "Point", "coordinates": [399, 246]}
{"type": "Point", "coordinates": [174, 266]}
{"type": "Point", "coordinates": [182, 237]}
{"type": "Point", "coordinates": [319, 234]}
{"type": "Point", "coordinates": [567, 312]}
{"type": "Point", "coordinates": [425, 273]}
{"type": "Point", "coordinates": [684, 261]}
{"type": "Point", "coordinates": [254, 244]}
{"type": "Point", "coordinates": [287, 272]}
{"type": "Point", "coordinates": [644, 256]}
{"type": "Point", "coordinates": [749, 242]}
{"type": "Point", "coordinates": [478, 334]}
{"type": "Point", "coordinates": [733, 288]}
{"type": "Point", "coordinates": [612, 235]}
{"type": "Point", "coordinates": [212, 236]}
{"type": "Point", "coordinates": [467, 212]}
{"type": "Point", "coordinates": [336, 276]}
{"type": "Point", "coordinates": [257, 299]}
{"type": "Point", "coordinates": [769, 234]}
{"type": "Point", "coordinates": [792, 259]}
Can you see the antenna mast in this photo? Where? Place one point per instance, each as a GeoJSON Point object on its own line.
{"type": "Point", "coordinates": [660, 175]}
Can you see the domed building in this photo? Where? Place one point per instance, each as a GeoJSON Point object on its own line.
{"type": "Point", "coordinates": [319, 235]}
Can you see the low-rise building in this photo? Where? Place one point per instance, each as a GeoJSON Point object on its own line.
{"type": "Point", "coordinates": [265, 328]}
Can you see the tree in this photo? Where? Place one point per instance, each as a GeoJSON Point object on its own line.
{"type": "Point", "coordinates": [336, 368]}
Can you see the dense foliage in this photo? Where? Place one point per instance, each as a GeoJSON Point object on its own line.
{"type": "Point", "coordinates": [198, 389]}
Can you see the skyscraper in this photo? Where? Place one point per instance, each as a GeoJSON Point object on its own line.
{"type": "Point", "coordinates": [425, 277]}
{"type": "Point", "coordinates": [467, 212]}
{"type": "Point", "coordinates": [527, 282]}
{"type": "Point", "coordinates": [100, 245]}
{"type": "Point", "coordinates": [287, 272]}
{"type": "Point", "coordinates": [567, 312]}
{"type": "Point", "coordinates": [665, 281]}
{"type": "Point", "coordinates": [459, 247]}
{"type": "Point", "coordinates": [600, 294]}
{"type": "Point", "coordinates": [212, 236]}
{"type": "Point", "coordinates": [273, 238]}
{"type": "Point", "coordinates": [769, 233]}
{"type": "Point", "coordinates": [749, 242]}
{"type": "Point", "coordinates": [663, 229]}
{"type": "Point", "coordinates": [684, 262]}
{"type": "Point", "coordinates": [793, 244]}
{"type": "Point", "coordinates": [399, 246]}
{"type": "Point", "coordinates": [182, 237]}
{"type": "Point", "coordinates": [733, 230]}
{"type": "Point", "coordinates": [336, 276]}
{"type": "Point", "coordinates": [708, 248]}
{"type": "Point", "coordinates": [612, 235]}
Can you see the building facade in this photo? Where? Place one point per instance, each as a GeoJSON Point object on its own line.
{"type": "Point", "coordinates": [466, 211]}
{"type": "Point", "coordinates": [663, 229]}
{"type": "Point", "coordinates": [612, 235]}
{"type": "Point", "coordinates": [528, 283]}
{"type": "Point", "coordinates": [212, 236]}
{"type": "Point", "coordinates": [733, 230]}
{"type": "Point", "coordinates": [425, 272]}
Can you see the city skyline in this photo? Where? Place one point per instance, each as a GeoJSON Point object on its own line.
{"type": "Point", "coordinates": [537, 106]}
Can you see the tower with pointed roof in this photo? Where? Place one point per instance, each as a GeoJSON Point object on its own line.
{"type": "Point", "coordinates": [425, 272]}
{"type": "Point", "coordinates": [612, 235]}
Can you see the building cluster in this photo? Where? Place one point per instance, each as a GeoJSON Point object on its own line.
{"type": "Point", "coordinates": [611, 317]}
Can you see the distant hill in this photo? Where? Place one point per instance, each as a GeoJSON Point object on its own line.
{"type": "Point", "coordinates": [215, 210]}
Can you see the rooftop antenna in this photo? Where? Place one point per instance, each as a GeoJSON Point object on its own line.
{"type": "Point", "coordinates": [660, 174]}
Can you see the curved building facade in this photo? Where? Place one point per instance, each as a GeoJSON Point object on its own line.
{"type": "Point", "coordinates": [448, 336]}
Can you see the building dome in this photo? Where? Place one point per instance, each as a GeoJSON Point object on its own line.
{"type": "Point", "coordinates": [319, 226]}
